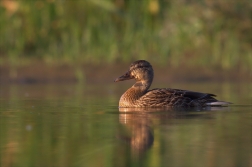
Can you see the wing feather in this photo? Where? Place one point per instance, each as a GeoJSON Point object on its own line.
{"type": "Point", "coordinates": [175, 97]}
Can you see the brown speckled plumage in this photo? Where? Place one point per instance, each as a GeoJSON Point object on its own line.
{"type": "Point", "coordinates": [139, 95]}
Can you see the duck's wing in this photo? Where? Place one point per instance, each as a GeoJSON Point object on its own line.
{"type": "Point", "coordinates": [205, 99]}
{"type": "Point", "coordinates": [178, 98]}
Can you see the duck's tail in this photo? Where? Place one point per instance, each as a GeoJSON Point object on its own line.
{"type": "Point", "coordinates": [218, 103]}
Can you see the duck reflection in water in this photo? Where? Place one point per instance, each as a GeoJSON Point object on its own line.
{"type": "Point", "coordinates": [140, 128]}
{"type": "Point", "coordinates": [140, 122]}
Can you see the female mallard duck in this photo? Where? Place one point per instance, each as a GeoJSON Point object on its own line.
{"type": "Point", "coordinates": [139, 95]}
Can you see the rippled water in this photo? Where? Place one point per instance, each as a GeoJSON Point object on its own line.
{"type": "Point", "coordinates": [80, 125]}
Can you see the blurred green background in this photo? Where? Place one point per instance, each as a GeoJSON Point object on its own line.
{"type": "Point", "coordinates": [199, 33]}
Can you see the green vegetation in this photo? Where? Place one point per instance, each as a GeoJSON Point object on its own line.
{"type": "Point", "coordinates": [178, 33]}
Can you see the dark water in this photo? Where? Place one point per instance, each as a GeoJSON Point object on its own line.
{"type": "Point", "coordinates": [71, 125]}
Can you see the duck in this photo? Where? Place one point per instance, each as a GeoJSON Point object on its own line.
{"type": "Point", "coordinates": [139, 95]}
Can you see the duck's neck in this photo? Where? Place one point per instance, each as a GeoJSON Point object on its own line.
{"type": "Point", "coordinates": [129, 98]}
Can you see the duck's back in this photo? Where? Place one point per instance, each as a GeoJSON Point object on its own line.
{"type": "Point", "coordinates": [166, 97]}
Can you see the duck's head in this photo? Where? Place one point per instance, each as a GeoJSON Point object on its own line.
{"type": "Point", "coordinates": [140, 70]}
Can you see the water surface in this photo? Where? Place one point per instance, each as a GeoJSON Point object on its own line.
{"type": "Point", "coordinates": [80, 125]}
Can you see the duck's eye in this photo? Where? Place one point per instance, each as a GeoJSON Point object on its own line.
{"type": "Point", "coordinates": [133, 73]}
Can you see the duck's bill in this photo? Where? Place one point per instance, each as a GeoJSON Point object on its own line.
{"type": "Point", "coordinates": [126, 76]}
